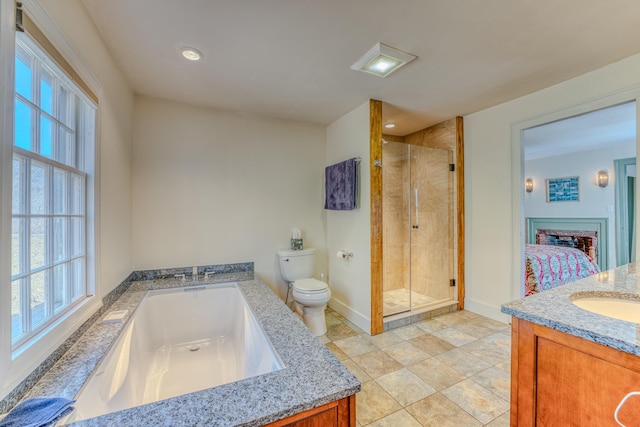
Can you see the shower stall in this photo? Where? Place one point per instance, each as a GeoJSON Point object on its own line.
{"type": "Point", "coordinates": [418, 228]}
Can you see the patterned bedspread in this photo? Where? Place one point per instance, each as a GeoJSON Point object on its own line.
{"type": "Point", "coordinates": [547, 267]}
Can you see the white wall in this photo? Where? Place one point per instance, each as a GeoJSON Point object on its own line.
{"type": "Point", "coordinates": [215, 187]}
{"type": "Point", "coordinates": [494, 176]}
{"type": "Point", "coordinates": [350, 281]}
{"type": "Point", "coordinates": [595, 202]}
{"type": "Point", "coordinates": [115, 135]}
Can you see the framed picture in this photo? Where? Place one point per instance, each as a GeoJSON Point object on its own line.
{"type": "Point", "coordinates": [563, 189]}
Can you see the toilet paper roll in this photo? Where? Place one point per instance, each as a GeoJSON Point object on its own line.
{"type": "Point", "coordinates": [344, 254]}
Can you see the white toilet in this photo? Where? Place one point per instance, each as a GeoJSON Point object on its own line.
{"type": "Point", "coordinates": [310, 295]}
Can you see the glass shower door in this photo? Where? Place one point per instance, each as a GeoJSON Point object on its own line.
{"type": "Point", "coordinates": [396, 235]}
{"type": "Point", "coordinates": [432, 238]}
{"type": "Point", "coordinates": [418, 239]}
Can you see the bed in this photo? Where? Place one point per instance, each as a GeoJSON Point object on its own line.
{"type": "Point", "coordinates": [547, 267]}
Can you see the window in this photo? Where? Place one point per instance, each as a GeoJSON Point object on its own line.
{"type": "Point", "coordinates": [54, 137]}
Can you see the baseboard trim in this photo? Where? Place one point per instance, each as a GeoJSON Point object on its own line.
{"type": "Point", "coordinates": [351, 315]}
{"type": "Point", "coordinates": [490, 311]}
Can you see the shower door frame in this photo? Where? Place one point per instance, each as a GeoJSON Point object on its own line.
{"type": "Point", "coordinates": [375, 151]}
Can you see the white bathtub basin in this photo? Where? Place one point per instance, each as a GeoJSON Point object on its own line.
{"type": "Point", "coordinates": [178, 341]}
{"type": "Point", "coordinates": [621, 309]}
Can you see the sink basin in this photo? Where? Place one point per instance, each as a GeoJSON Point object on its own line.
{"type": "Point", "coordinates": [610, 306]}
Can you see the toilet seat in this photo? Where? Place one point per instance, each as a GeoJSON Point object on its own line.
{"type": "Point", "coordinates": [310, 286]}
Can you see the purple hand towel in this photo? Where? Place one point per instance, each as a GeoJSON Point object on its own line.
{"type": "Point", "coordinates": [37, 412]}
{"type": "Point", "coordinates": [341, 186]}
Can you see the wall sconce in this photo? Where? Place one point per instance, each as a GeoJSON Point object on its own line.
{"type": "Point", "coordinates": [603, 178]}
{"type": "Point", "coordinates": [528, 185]}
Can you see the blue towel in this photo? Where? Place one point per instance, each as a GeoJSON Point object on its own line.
{"type": "Point", "coordinates": [37, 412]}
{"type": "Point", "coordinates": [341, 186]}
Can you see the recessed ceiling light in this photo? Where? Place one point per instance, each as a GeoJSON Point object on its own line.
{"type": "Point", "coordinates": [390, 125]}
{"type": "Point", "coordinates": [382, 60]}
{"type": "Point", "coordinates": [191, 54]}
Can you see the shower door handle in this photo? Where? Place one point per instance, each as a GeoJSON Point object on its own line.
{"type": "Point", "coordinates": [415, 192]}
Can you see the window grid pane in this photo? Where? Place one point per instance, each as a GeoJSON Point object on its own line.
{"type": "Point", "coordinates": [16, 309]}
{"type": "Point", "coordinates": [18, 190]}
{"type": "Point", "coordinates": [23, 129]}
{"type": "Point", "coordinates": [48, 201]}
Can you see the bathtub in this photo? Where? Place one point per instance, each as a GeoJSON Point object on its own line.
{"type": "Point", "coordinates": [178, 341]}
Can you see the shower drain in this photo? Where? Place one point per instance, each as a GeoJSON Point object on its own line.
{"type": "Point", "coordinates": [194, 348]}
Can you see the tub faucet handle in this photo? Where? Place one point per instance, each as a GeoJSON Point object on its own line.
{"type": "Point", "coordinates": [181, 275]}
{"type": "Point", "coordinates": [207, 274]}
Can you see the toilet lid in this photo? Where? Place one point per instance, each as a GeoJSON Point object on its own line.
{"type": "Point", "coordinates": [310, 285]}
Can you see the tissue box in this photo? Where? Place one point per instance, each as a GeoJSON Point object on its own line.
{"type": "Point", "coordinates": [296, 244]}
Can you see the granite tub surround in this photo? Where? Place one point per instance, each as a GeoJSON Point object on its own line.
{"type": "Point", "coordinates": [554, 308]}
{"type": "Point", "coordinates": [312, 375]}
{"type": "Point", "coordinates": [224, 272]}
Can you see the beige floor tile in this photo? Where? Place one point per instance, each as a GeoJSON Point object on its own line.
{"type": "Point", "coordinates": [476, 400]}
{"type": "Point", "coordinates": [438, 411]}
{"type": "Point", "coordinates": [502, 421]}
{"type": "Point", "coordinates": [356, 370]}
{"type": "Point", "coordinates": [463, 362]}
{"type": "Point", "coordinates": [454, 336]}
{"type": "Point", "coordinates": [493, 324]}
{"type": "Point", "coordinates": [436, 374]}
{"type": "Point", "coordinates": [323, 339]}
{"type": "Point", "coordinates": [377, 363]}
{"type": "Point", "coordinates": [405, 353]}
{"type": "Point", "coordinates": [494, 380]}
{"type": "Point", "coordinates": [373, 403]}
{"type": "Point", "coordinates": [385, 339]}
{"type": "Point", "coordinates": [431, 325]}
{"type": "Point", "coordinates": [451, 320]}
{"type": "Point", "coordinates": [354, 346]}
{"type": "Point", "coordinates": [409, 332]}
{"type": "Point", "coordinates": [431, 345]}
{"type": "Point", "coordinates": [505, 366]}
{"type": "Point", "coordinates": [398, 419]}
{"type": "Point", "coordinates": [405, 387]}
{"type": "Point", "coordinates": [476, 331]}
{"type": "Point", "coordinates": [494, 349]}
{"type": "Point", "coordinates": [467, 375]}
{"type": "Point", "coordinates": [354, 327]}
{"type": "Point", "coordinates": [339, 331]}
{"type": "Point", "coordinates": [336, 351]}
{"type": "Point", "coordinates": [331, 319]}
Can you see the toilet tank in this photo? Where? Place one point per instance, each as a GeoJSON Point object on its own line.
{"type": "Point", "coordinates": [296, 265]}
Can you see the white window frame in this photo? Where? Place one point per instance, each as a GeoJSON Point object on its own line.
{"type": "Point", "coordinates": [16, 364]}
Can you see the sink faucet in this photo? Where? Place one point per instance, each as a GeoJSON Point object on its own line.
{"type": "Point", "coordinates": [207, 274]}
{"type": "Point", "coordinates": [194, 273]}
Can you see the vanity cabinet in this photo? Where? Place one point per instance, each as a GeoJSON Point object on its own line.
{"type": "Point", "coordinates": [340, 413]}
{"type": "Point", "coordinates": [558, 379]}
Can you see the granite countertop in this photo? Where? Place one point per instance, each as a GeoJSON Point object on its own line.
{"type": "Point", "coordinates": [312, 375]}
{"type": "Point", "coordinates": [554, 309]}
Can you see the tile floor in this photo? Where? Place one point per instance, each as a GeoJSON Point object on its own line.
{"type": "Point", "coordinates": [452, 370]}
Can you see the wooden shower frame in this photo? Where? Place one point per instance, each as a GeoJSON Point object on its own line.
{"type": "Point", "coordinates": [375, 150]}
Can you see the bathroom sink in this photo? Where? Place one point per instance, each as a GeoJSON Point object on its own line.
{"type": "Point", "coordinates": [611, 306]}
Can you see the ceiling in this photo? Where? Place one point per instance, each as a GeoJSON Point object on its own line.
{"type": "Point", "coordinates": [605, 128]}
{"type": "Point", "coordinates": [291, 59]}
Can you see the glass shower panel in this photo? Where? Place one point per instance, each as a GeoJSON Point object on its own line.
{"type": "Point", "coordinates": [396, 236]}
{"type": "Point", "coordinates": [431, 214]}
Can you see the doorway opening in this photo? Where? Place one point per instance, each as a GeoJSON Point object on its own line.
{"type": "Point", "coordinates": [573, 148]}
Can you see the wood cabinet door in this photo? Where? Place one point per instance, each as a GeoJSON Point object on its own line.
{"type": "Point", "coordinates": [562, 380]}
